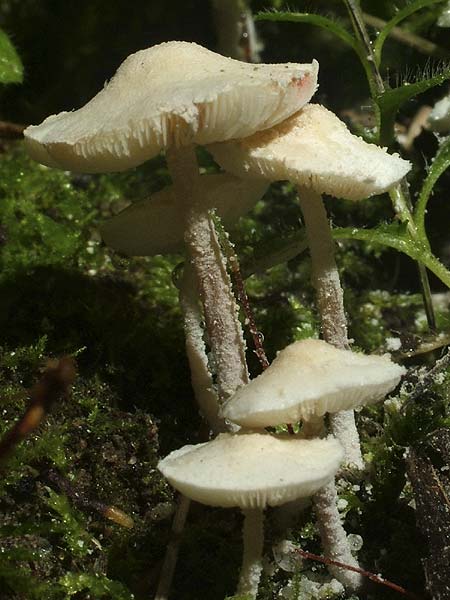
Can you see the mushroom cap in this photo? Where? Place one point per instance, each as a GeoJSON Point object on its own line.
{"type": "Point", "coordinates": [308, 379]}
{"type": "Point", "coordinates": [314, 149]}
{"type": "Point", "coordinates": [439, 118]}
{"type": "Point", "coordinates": [172, 94]}
{"type": "Point", "coordinates": [156, 225]}
{"type": "Point", "coordinates": [252, 470]}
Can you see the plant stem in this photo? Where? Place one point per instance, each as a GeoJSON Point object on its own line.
{"type": "Point", "coordinates": [400, 192]}
{"type": "Point", "coordinates": [356, 16]}
{"type": "Point", "coordinates": [404, 36]}
{"type": "Point", "coordinates": [253, 537]}
{"type": "Point", "coordinates": [219, 305]}
{"type": "Point", "coordinates": [170, 559]}
{"type": "Point", "coordinates": [402, 205]}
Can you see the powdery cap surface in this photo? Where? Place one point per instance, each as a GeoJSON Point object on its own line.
{"type": "Point", "coordinates": [252, 470]}
{"type": "Point", "coordinates": [310, 378]}
{"type": "Point", "coordinates": [156, 225]}
{"type": "Point", "coordinates": [170, 95]}
{"type": "Point", "coordinates": [316, 150]}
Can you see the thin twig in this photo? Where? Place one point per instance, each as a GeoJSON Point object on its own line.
{"type": "Point", "coordinates": [173, 547]}
{"type": "Point", "coordinates": [54, 383]}
{"type": "Point", "coordinates": [80, 499]}
{"type": "Point", "coordinates": [238, 281]}
{"type": "Point", "coordinates": [417, 42]}
{"type": "Point", "coordinates": [400, 193]}
{"type": "Point", "coordinates": [11, 130]}
{"type": "Point", "coordinates": [364, 573]}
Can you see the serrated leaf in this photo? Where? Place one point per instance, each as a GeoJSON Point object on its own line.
{"type": "Point", "coordinates": [11, 68]}
{"type": "Point", "coordinates": [391, 101]}
{"type": "Point", "coordinates": [401, 15]}
{"type": "Point", "coordinates": [440, 164]}
{"type": "Point", "coordinates": [311, 19]}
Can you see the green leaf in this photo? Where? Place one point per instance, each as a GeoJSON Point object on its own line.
{"type": "Point", "coordinates": [396, 236]}
{"type": "Point", "coordinates": [391, 100]}
{"type": "Point", "coordinates": [313, 19]}
{"type": "Point", "coordinates": [97, 585]}
{"type": "Point", "coordinates": [11, 68]}
{"type": "Point", "coordinates": [70, 524]}
{"type": "Point", "coordinates": [439, 165]}
{"type": "Point", "coordinates": [403, 14]}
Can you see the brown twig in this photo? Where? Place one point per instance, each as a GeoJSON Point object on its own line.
{"type": "Point", "coordinates": [80, 499]}
{"type": "Point", "coordinates": [11, 130]}
{"type": "Point", "coordinates": [376, 578]}
{"type": "Point", "coordinates": [54, 383]}
{"type": "Point", "coordinates": [403, 36]}
{"type": "Point", "coordinates": [239, 285]}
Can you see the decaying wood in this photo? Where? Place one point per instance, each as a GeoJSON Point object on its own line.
{"type": "Point", "coordinates": [429, 472]}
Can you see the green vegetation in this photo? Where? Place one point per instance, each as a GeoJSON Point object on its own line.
{"type": "Point", "coordinates": [62, 292]}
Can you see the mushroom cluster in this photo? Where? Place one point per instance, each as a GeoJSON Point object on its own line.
{"type": "Point", "coordinates": [253, 469]}
{"type": "Point", "coordinates": [258, 124]}
{"type": "Point", "coordinates": [168, 98]}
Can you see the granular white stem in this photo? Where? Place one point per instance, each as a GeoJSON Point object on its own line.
{"type": "Point", "coordinates": [334, 538]}
{"type": "Point", "coordinates": [252, 555]}
{"type": "Point", "coordinates": [343, 426]}
{"type": "Point", "coordinates": [334, 329]}
{"type": "Point", "coordinates": [330, 301]}
{"type": "Point", "coordinates": [201, 377]}
{"type": "Point", "coordinates": [219, 304]}
{"type": "Point", "coordinates": [170, 558]}
{"type": "Point", "coordinates": [325, 275]}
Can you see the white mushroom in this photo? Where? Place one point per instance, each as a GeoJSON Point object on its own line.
{"type": "Point", "coordinates": [252, 471]}
{"type": "Point", "coordinates": [170, 97]}
{"type": "Point", "coordinates": [315, 150]}
{"type": "Point", "coordinates": [308, 379]}
{"type": "Point", "coordinates": [156, 226]}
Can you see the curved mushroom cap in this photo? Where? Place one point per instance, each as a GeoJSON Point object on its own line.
{"type": "Point", "coordinates": [439, 118]}
{"type": "Point", "coordinates": [156, 225]}
{"type": "Point", "coordinates": [310, 378]}
{"type": "Point", "coordinates": [316, 150]}
{"type": "Point", "coordinates": [252, 470]}
{"type": "Point", "coordinates": [172, 94]}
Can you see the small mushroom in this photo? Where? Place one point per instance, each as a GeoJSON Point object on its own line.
{"type": "Point", "coordinates": [252, 471]}
{"type": "Point", "coordinates": [170, 97]}
{"type": "Point", "coordinates": [308, 379]}
{"type": "Point", "coordinates": [156, 226]}
{"type": "Point", "coordinates": [316, 151]}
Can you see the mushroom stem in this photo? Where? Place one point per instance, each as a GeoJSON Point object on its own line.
{"type": "Point", "coordinates": [325, 275]}
{"type": "Point", "coordinates": [201, 379]}
{"type": "Point", "coordinates": [219, 305]}
{"type": "Point", "coordinates": [173, 547]}
{"type": "Point", "coordinates": [330, 300]}
{"type": "Point", "coordinates": [333, 536]}
{"type": "Point", "coordinates": [253, 535]}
